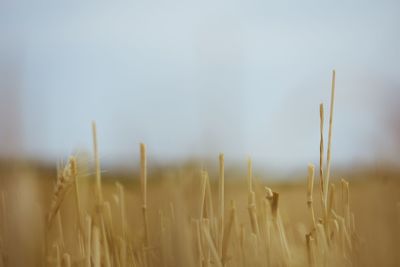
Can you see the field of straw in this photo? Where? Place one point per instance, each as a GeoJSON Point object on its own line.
{"type": "Point", "coordinates": [77, 215]}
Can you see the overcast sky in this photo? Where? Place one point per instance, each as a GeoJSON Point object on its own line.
{"type": "Point", "coordinates": [195, 78]}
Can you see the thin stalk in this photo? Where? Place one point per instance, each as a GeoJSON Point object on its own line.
{"type": "Point", "coordinates": [310, 187]}
{"type": "Point", "coordinates": [221, 202]}
{"type": "Point", "coordinates": [321, 154]}
{"type": "Point", "coordinates": [143, 179]}
{"type": "Point", "coordinates": [97, 165]}
{"type": "Point", "coordinates": [96, 247]}
{"type": "Point", "coordinates": [227, 233]}
{"type": "Point", "coordinates": [328, 157]}
{"type": "Point", "coordinates": [88, 238]}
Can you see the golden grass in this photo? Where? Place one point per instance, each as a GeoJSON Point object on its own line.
{"type": "Point", "coordinates": [177, 235]}
{"type": "Point", "coordinates": [169, 219]}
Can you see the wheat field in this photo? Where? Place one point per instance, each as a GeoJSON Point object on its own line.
{"type": "Point", "coordinates": [78, 215]}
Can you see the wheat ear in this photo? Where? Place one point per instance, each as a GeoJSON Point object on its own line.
{"type": "Point", "coordinates": [65, 179]}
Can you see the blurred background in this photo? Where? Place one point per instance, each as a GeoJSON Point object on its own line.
{"type": "Point", "coordinates": [195, 78]}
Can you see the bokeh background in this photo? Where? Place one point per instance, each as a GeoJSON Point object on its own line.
{"type": "Point", "coordinates": [194, 78]}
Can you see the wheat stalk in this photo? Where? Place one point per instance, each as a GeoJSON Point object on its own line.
{"type": "Point", "coordinates": [211, 246]}
{"type": "Point", "coordinates": [3, 230]}
{"type": "Point", "coordinates": [88, 240]}
{"type": "Point", "coordinates": [143, 179]}
{"type": "Point", "coordinates": [328, 157]}
{"type": "Point", "coordinates": [310, 187]}
{"type": "Point", "coordinates": [96, 247]}
{"type": "Point", "coordinates": [66, 261]}
{"type": "Point", "coordinates": [227, 234]}
{"type": "Point", "coordinates": [321, 154]}
{"type": "Point", "coordinates": [97, 165]}
{"type": "Point", "coordinates": [221, 197]}
{"type": "Point", "coordinates": [74, 172]}
{"type": "Point", "coordinates": [310, 250]}
{"type": "Point", "coordinates": [252, 209]}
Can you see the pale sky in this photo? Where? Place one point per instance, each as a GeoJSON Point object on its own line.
{"type": "Point", "coordinates": [195, 78]}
